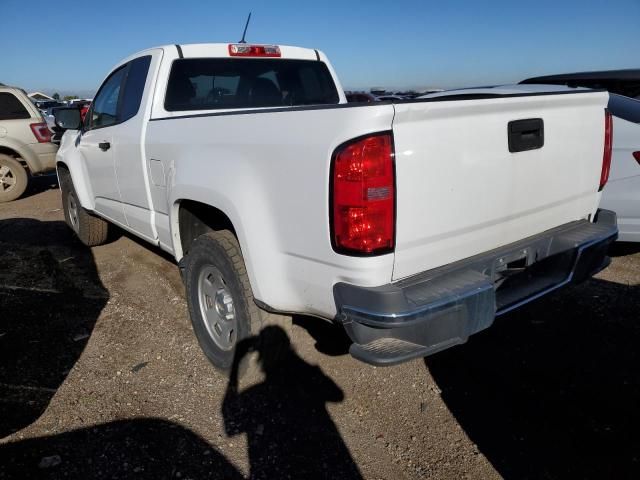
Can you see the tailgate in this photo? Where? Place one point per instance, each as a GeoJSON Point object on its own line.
{"type": "Point", "coordinates": [461, 192]}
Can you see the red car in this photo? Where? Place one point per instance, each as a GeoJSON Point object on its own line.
{"type": "Point", "coordinates": [83, 110]}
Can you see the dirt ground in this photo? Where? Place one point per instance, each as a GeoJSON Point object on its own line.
{"type": "Point", "coordinates": [101, 377]}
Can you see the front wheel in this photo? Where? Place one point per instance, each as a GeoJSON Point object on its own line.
{"type": "Point", "coordinates": [220, 298]}
{"type": "Point", "coordinates": [91, 230]}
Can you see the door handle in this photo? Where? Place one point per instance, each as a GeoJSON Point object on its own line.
{"type": "Point", "coordinates": [104, 146]}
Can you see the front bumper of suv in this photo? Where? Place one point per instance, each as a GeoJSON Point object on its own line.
{"type": "Point", "coordinates": [440, 308]}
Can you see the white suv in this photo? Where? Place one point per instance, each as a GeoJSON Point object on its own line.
{"type": "Point", "coordinates": [25, 143]}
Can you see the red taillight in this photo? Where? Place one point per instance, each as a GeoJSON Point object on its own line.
{"type": "Point", "coordinates": [636, 155]}
{"type": "Point", "coordinates": [363, 196]}
{"type": "Point", "coordinates": [606, 156]}
{"type": "Point", "coordinates": [41, 132]}
{"type": "Point", "coordinates": [244, 50]}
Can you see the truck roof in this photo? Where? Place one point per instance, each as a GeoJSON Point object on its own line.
{"type": "Point", "coordinates": [195, 50]}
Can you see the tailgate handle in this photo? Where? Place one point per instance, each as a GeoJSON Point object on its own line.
{"type": "Point", "coordinates": [526, 134]}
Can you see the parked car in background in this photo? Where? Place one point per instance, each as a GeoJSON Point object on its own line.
{"type": "Point", "coordinates": [49, 117]}
{"type": "Point", "coordinates": [25, 145]}
{"type": "Point", "coordinates": [407, 94]}
{"type": "Point", "coordinates": [622, 193]}
{"type": "Point", "coordinates": [361, 97]}
{"type": "Point", "coordinates": [43, 105]}
{"type": "Point", "coordinates": [412, 224]}
{"type": "Point", "coordinates": [84, 109]}
{"type": "Point", "coordinates": [622, 82]}
{"type": "Point", "coordinates": [428, 91]}
{"type": "Point", "coordinates": [79, 102]}
{"type": "Point", "coordinates": [393, 98]}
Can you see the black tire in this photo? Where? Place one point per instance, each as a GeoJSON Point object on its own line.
{"type": "Point", "coordinates": [220, 251]}
{"type": "Point", "coordinates": [90, 229]}
{"type": "Point", "coordinates": [13, 178]}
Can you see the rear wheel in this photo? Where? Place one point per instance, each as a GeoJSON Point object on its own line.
{"type": "Point", "coordinates": [220, 298]}
{"type": "Point", "coordinates": [91, 230]}
{"type": "Point", "coordinates": [13, 178]}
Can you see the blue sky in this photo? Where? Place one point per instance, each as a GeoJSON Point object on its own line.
{"type": "Point", "coordinates": [69, 46]}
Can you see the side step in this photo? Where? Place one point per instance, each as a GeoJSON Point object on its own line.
{"type": "Point", "coordinates": [385, 352]}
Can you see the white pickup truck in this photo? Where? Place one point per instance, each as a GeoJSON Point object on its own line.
{"type": "Point", "coordinates": [412, 223]}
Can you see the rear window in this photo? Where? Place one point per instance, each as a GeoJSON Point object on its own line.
{"type": "Point", "coordinates": [11, 108]}
{"type": "Point", "coordinates": [625, 108]}
{"type": "Point", "coordinates": [221, 83]}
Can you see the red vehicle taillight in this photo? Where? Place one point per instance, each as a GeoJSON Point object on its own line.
{"type": "Point", "coordinates": [363, 196]}
{"type": "Point", "coordinates": [606, 156]}
{"type": "Point", "coordinates": [41, 132]}
{"type": "Point", "coordinates": [636, 155]}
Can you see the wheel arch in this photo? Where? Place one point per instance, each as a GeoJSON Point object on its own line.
{"type": "Point", "coordinates": [9, 151]}
{"type": "Point", "coordinates": [194, 210]}
{"type": "Point", "coordinates": [194, 218]}
{"type": "Point", "coordinates": [62, 166]}
{"type": "Point", "coordinates": [22, 153]}
{"type": "Point", "coordinates": [76, 169]}
{"type": "Point", "coordinates": [13, 153]}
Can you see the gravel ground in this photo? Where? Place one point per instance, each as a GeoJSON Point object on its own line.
{"type": "Point", "coordinates": [101, 377]}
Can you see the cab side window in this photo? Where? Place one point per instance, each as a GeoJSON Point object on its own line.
{"type": "Point", "coordinates": [120, 96]}
{"type": "Point", "coordinates": [134, 88]}
{"type": "Point", "coordinates": [104, 111]}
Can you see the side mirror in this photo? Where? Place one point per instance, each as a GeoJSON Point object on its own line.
{"type": "Point", "coordinates": [68, 118]}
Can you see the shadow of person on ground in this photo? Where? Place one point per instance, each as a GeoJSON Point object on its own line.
{"type": "Point", "coordinates": [290, 433]}
{"type": "Point", "coordinates": [50, 299]}
{"type": "Point", "coordinates": [553, 390]}
{"type": "Point", "coordinates": [141, 448]}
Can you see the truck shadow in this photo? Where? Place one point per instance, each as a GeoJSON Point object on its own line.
{"type": "Point", "coordinates": [331, 338]}
{"type": "Point", "coordinates": [621, 249]}
{"type": "Point", "coordinates": [50, 299]}
{"type": "Point", "coordinates": [140, 448]}
{"type": "Point", "coordinates": [552, 391]}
